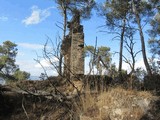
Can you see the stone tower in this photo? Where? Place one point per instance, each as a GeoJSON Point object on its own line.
{"type": "Point", "coordinates": [77, 54]}
{"type": "Point", "coordinates": [73, 48]}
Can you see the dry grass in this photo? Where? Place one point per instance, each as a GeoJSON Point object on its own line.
{"type": "Point", "coordinates": [117, 102]}
{"type": "Point", "coordinates": [122, 97]}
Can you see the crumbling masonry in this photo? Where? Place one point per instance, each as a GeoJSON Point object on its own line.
{"type": "Point", "coordinates": [73, 48]}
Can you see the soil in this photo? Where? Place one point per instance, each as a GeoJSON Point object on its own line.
{"type": "Point", "coordinates": [30, 100]}
{"type": "Point", "coordinates": [39, 100]}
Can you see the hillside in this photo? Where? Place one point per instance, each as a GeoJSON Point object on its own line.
{"type": "Point", "coordinates": [37, 100]}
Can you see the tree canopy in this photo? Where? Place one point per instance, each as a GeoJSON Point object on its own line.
{"type": "Point", "coordinates": [99, 57]}
{"type": "Point", "coordinates": [83, 6]}
{"type": "Point", "coordinates": [8, 52]}
{"type": "Point", "coordinates": [8, 68]}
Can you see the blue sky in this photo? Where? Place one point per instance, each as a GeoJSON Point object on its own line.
{"type": "Point", "coordinates": [27, 23]}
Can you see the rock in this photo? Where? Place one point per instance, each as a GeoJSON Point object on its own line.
{"type": "Point", "coordinates": [120, 104]}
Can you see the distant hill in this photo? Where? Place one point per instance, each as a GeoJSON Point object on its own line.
{"type": "Point", "coordinates": [2, 81]}
{"type": "Point", "coordinates": [34, 78]}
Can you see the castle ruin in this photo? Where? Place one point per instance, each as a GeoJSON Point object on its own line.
{"type": "Point", "coordinates": [73, 48]}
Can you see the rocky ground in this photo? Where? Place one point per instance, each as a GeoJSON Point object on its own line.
{"type": "Point", "coordinates": [39, 100]}
{"type": "Point", "coordinates": [120, 104]}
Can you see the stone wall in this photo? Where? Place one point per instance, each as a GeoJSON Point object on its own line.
{"type": "Point", "coordinates": [77, 54]}
{"type": "Point", "coordinates": [66, 51]}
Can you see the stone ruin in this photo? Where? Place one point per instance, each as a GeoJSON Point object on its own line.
{"type": "Point", "coordinates": [73, 52]}
{"type": "Point", "coordinates": [73, 48]}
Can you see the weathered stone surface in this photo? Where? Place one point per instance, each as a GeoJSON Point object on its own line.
{"type": "Point", "coordinates": [73, 48]}
{"type": "Point", "coordinates": [77, 58]}
{"type": "Point", "coordinates": [66, 51]}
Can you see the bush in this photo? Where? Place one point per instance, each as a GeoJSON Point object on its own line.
{"type": "Point", "coordinates": [152, 82]}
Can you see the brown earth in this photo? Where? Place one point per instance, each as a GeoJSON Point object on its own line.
{"type": "Point", "coordinates": [39, 100]}
{"type": "Point", "coordinates": [34, 100]}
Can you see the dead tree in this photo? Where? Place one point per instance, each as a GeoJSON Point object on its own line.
{"type": "Point", "coordinates": [130, 49]}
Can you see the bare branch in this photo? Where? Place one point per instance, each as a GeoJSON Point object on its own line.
{"type": "Point", "coordinates": [116, 37]}
{"type": "Point", "coordinates": [24, 109]}
{"type": "Point", "coordinates": [137, 53]}
{"type": "Point", "coordinates": [59, 27]}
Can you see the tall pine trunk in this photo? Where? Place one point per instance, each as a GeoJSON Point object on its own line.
{"type": "Point", "coordinates": [142, 40]}
{"type": "Point", "coordinates": [143, 46]}
{"type": "Point", "coordinates": [121, 47]}
{"type": "Point", "coordinates": [64, 35]}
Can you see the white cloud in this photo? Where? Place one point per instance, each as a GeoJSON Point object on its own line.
{"type": "Point", "coordinates": [20, 53]}
{"type": "Point", "coordinates": [3, 18]}
{"type": "Point", "coordinates": [140, 64]}
{"type": "Point", "coordinates": [31, 46]}
{"type": "Point", "coordinates": [46, 63]}
{"type": "Point", "coordinates": [37, 15]}
{"type": "Point", "coordinates": [30, 66]}
{"type": "Point", "coordinates": [125, 66]}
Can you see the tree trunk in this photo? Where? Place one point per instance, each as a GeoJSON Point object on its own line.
{"type": "Point", "coordinates": [142, 41]}
{"type": "Point", "coordinates": [143, 47]}
{"type": "Point", "coordinates": [131, 47]}
{"type": "Point", "coordinates": [60, 64]}
{"type": "Point", "coordinates": [64, 35]}
{"type": "Point", "coordinates": [121, 46]}
{"type": "Point", "coordinates": [133, 62]}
